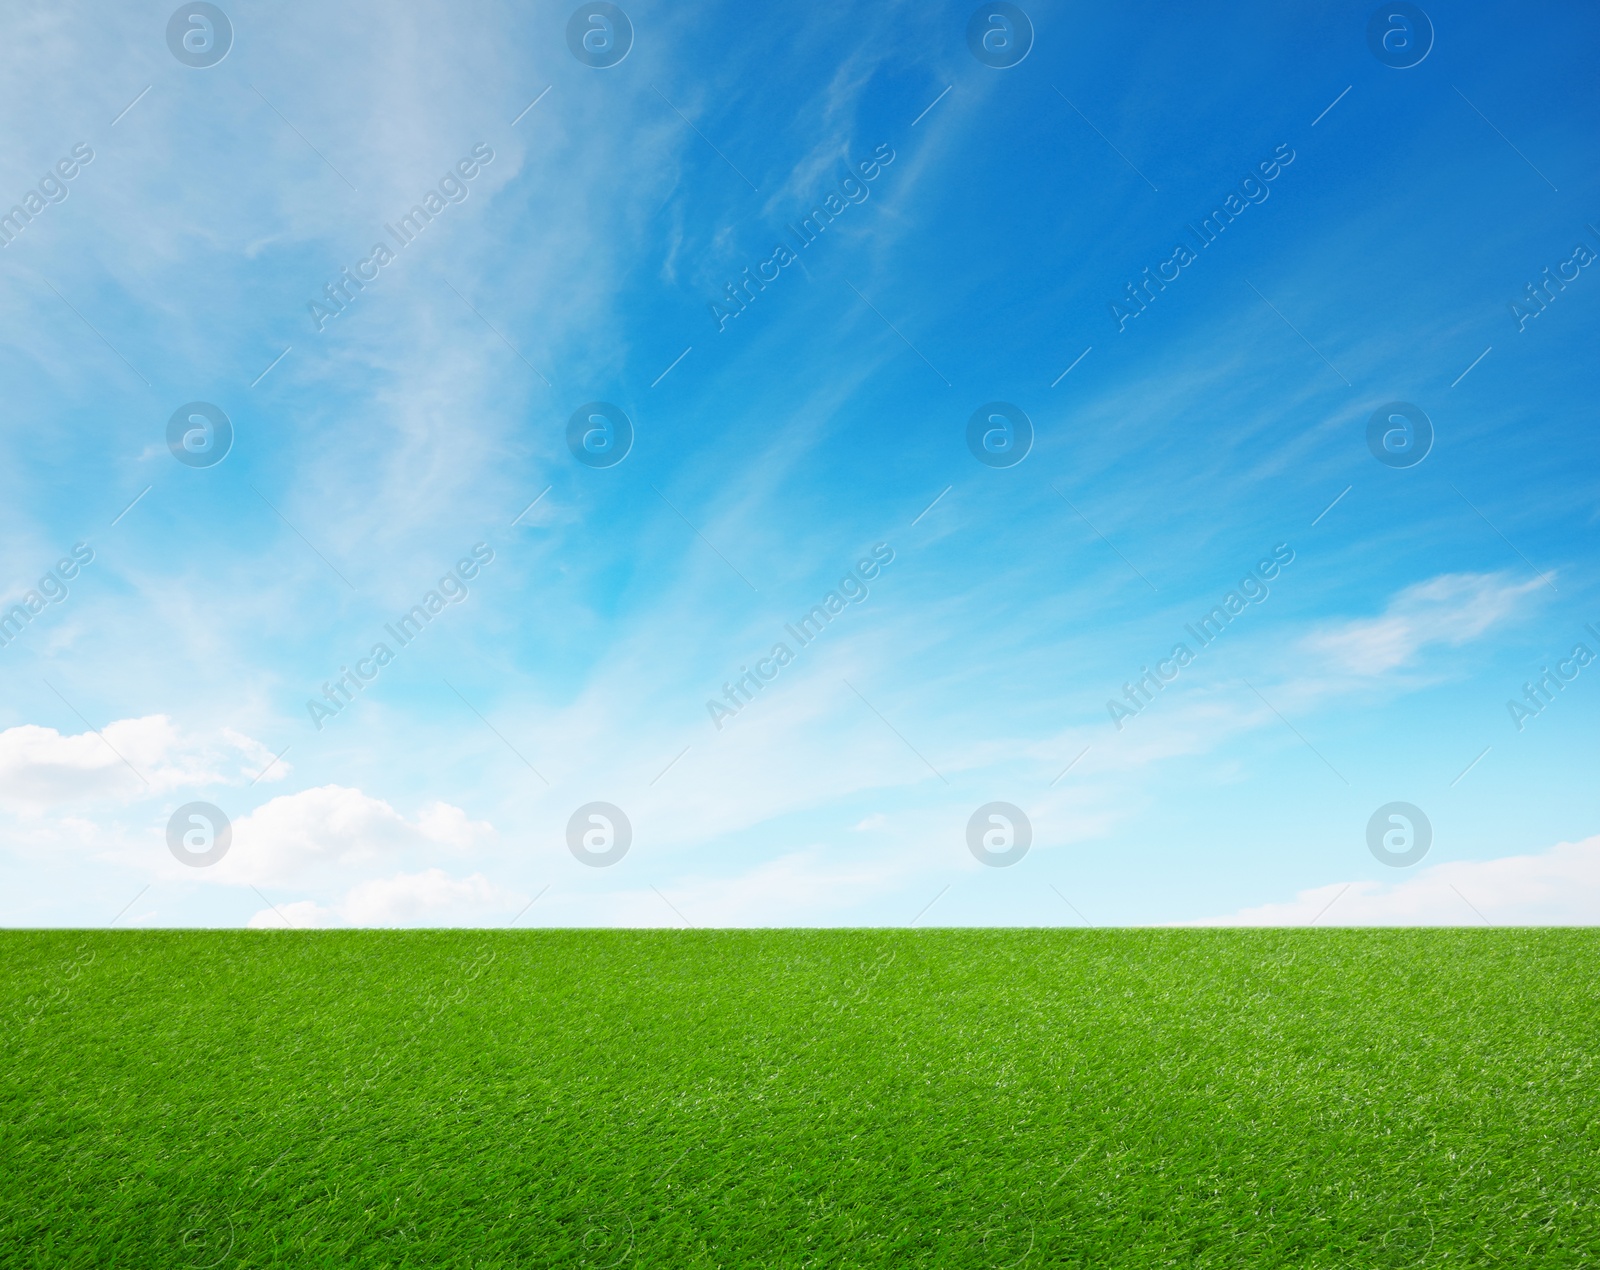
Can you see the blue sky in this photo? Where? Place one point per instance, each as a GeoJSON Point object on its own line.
{"type": "Point", "coordinates": [773, 450]}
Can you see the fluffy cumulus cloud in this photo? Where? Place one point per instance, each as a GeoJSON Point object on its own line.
{"type": "Point", "coordinates": [450, 826]}
{"type": "Point", "coordinates": [307, 838]}
{"type": "Point", "coordinates": [1558, 887]}
{"type": "Point", "coordinates": [319, 838]}
{"type": "Point", "coordinates": [131, 758]}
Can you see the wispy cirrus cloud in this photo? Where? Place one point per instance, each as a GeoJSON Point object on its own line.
{"type": "Point", "coordinates": [1452, 609]}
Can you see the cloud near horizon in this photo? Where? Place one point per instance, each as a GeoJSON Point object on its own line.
{"type": "Point", "coordinates": [1558, 887]}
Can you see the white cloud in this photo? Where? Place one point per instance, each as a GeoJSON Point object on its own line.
{"type": "Point", "coordinates": [40, 767]}
{"type": "Point", "coordinates": [284, 841]}
{"type": "Point", "coordinates": [1558, 887]}
{"type": "Point", "coordinates": [301, 915]}
{"type": "Point", "coordinates": [430, 898]}
{"type": "Point", "coordinates": [1449, 609]}
{"type": "Point", "coordinates": [450, 826]}
{"type": "Point", "coordinates": [1346, 656]}
{"type": "Point", "coordinates": [271, 769]}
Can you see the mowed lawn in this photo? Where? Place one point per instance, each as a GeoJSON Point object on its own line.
{"type": "Point", "coordinates": [1136, 1098]}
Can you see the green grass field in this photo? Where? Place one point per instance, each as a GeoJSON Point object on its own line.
{"type": "Point", "coordinates": [830, 1098]}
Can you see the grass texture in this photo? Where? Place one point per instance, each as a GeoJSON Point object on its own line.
{"type": "Point", "coordinates": [1139, 1098]}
